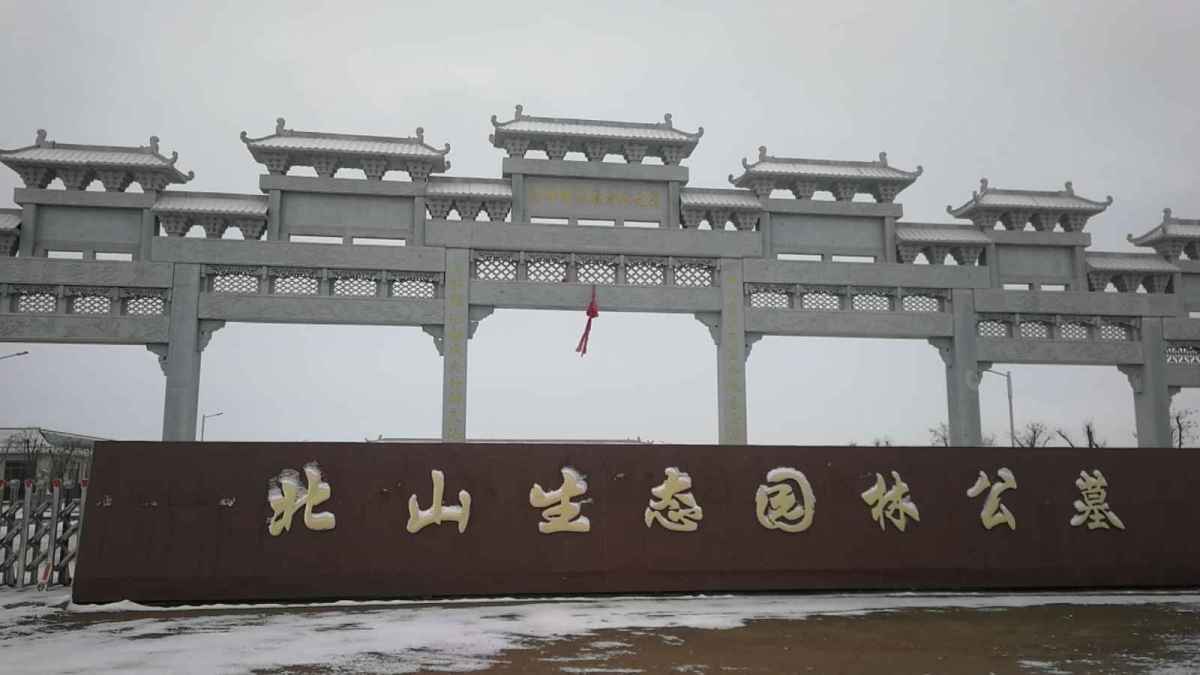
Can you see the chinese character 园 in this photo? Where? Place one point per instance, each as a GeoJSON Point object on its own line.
{"type": "Point", "coordinates": [994, 513]}
{"type": "Point", "coordinates": [1093, 509]}
{"type": "Point", "coordinates": [287, 497]}
{"type": "Point", "coordinates": [419, 518]}
{"type": "Point", "coordinates": [893, 504]}
{"type": "Point", "coordinates": [674, 498]}
{"type": "Point", "coordinates": [561, 514]}
{"type": "Point", "coordinates": [776, 504]}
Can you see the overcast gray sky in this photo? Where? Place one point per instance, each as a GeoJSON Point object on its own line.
{"type": "Point", "coordinates": [1027, 94]}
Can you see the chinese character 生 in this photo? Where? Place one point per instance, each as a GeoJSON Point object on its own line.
{"type": "Point", "coordinates": [893, 504]}
{"type": "Point", "coordinates": [419, 518]}
{"type": "Point", "coordinates": [994, 513]}
{"type": "Point", "coordinates": [674, 498]}
{"type": "Point", "coordinates": [286, 497]}
{"type": "Point", "coordinates": [561, 514]}
{"type": "Point", "coordinates": [1093, 509]}
{"type": "Point", "coordinates": [776, 504]}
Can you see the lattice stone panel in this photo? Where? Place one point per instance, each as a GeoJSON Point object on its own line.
{"type": "Point", "coordinates": [1073, 331]}
{"type": "Point", "coordinates": [1035, 330]}
{"type": "Point", "coordinates": [920, 303]}
{"type": "Point", "coordinates": [36, 303]}
{"type": "Point", "coordinates": [871, 302]}
{"type": "Point", "coordinates": [645, 273]}
{"type": "Point", "coordinates": [769, 300]}
{"type": "Point", "coordinates": [1115, 331]}
{"type": "Point", "coordinates": [91, 304]}
{"type": "Point", "coordinates": [1183, 354]}
{"type": "Point", "coordinates": [145, 305]}
{"type": "Point", "coordinates": [495, 269]}
{"type": "Point", "coordinates": [548, 270]}
{"type": "Point", "coordinates": [355, 287]}
{"type": "Point", "coordinates": [596, 272]}
{"type": "Point", "coordinates": [295, 285]}
{"type": "Point", "coordinates": [820, 301]}
{"type": "Point", "coordinates": [694, 274]}
{"type": "Point", "coordinates": [235, 283]}
{"type": "Point", "coordinates": [413, 288]}
{"type": "Point", "coordinates": [990, 328]}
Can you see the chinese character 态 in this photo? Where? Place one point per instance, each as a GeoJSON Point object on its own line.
{"type": "Point", "coordinates": [674, 497]}
{"type": "Point", "coordinates": [418, 518]}
{"type": "Point", "coordinates": [776, 503]}
{"type": "Point", "coordinates": [995, 513]}
{"type": "Point", "coordinates": [894, 503]}
{"type": "Point", "coordinates": [561, 514]}
{"type": "Point", "coordinates": [287, 497]}
{"type": "Point", "coordinates": [1093, 508]}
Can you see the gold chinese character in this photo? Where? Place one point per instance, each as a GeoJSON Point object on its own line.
{"type": "Point", "coordinates": [893, 503]}
{"type": "Point", "coordinates": [994, 513]}
{"type": "Point", "coordinates": [653, 200]}
{"type": "Point", "coordinates": [562, 514]}
{"type": "Point", "coordinates": [1093, 508]}
{"type": "Point", "coordinates": [287, 497]}
{"type": "Point", "coordinates": [418, 518]}
{"type": "Point", "coordinates": [776, 503]}
{"type": "Point", "coordinates": [564, 196]}
{"type": "Point", "coordinates": [673, 497]}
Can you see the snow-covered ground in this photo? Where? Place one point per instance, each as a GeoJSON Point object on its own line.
{"type": "Point", "coordinates": [41, 633]}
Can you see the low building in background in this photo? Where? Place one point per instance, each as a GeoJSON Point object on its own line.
{"type": "Point", "coordinates": [44, 455]}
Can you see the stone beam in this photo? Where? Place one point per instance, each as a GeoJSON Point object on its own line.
{"type": "Point", "coordinates": [1060, 352]}
{"type": "Point", "coordinates": [76, 329]}
{"type": "Point", "coordinates": [584, 239]}
{"type": "Point", "coordinates": [866, 274]}
{"type": "Point", "coordinates": [1076, 303]}
{"type": "Point", "coordinates": [289, 254]}
{"type": "Point", "coordinates": [320, 310]}
{"type": "Point", "coordinates": [850, 324]}
{"type": "Point", "coordinates": [575, 297]}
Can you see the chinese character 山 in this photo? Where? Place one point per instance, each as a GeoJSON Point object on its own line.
{"type": "Point", "coordinates": [419, 518]}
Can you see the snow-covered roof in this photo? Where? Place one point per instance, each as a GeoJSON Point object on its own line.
{"type": "Point", "coordinates": [939, 234]}
{"type": "Point", "coordinates": [715, 198]}
{"type": "Point", "coordinates": [10, 437]}
{"type": "Point", "coordinates": [1170, 228]}
{"type": "Point", "coordinates": [327, 152]}
{"type": "Point", "coordinates": [988, 198]}
{"type": "Point", "coordinates": [596, 138]}
{"type": "Point", "coordinates": [212, 203]}
{"type": "Point", "coordinates": [483, 188]}
{"type": "Point", "coordinates": [1128, 262]}
{"type": "Point", "coordinates": [806, 175]}
{"type": "Point", "coordinates": [38, 163]}
{"type": "Point", "coordinates": [10, 219]}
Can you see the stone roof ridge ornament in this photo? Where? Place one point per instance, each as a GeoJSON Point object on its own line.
{"type": "Point", "coordinates": [328, 152]}
{"type": "Point", "coordinates": [78, 165]}
{"type": "Point", "coordinates": [804, 176]}
{"type": "Point", "coordinates": [40, 138]}
{"type": "Point", "coordinates": [1016, 208]}
{"type": "Point", "coordinates": [595, 139]}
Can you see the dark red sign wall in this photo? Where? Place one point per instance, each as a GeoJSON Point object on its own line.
{"type": "Point", "coordinates": [189, 522]}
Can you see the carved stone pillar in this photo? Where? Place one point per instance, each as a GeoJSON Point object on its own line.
{"type": "Point", "coordinates": [454, 346]}
{"type": "Point", "coordinates": [1151, 395]}
{"type": "Point", "coordinates": [180, 358]}
{"type": "Point", "coordinates": [731, 356]}
{"type": "Point", "coordinates": [960, 355]}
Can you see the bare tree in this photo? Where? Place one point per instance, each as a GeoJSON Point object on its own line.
{"type": "Point", "coordinates": [1033, 435]}
{"type": "Point", "coordinates": [1183, 426]}
{"type": "Point", "coordinates": [939, 436]}
{"type": "Point", "coordinates": [1089, 436]}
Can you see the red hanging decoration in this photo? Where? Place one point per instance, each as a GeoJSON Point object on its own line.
{"type": "Point", "coordinates": [593, 311]}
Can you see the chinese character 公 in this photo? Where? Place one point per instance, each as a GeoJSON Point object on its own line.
{"type": "Point", "coordinates": [287, 497]}
{"type": "Point", "coordinates": [995, 513]}
{"type": "Point", "coordinates": [776, 503]}
{"type": "Point", "coordinates": [562, 514]}
{"type": "Point", "coordinates": [893, 503]}
{"type": "Point", "coordinates": [418, 518]}
{"type": "Point", "coordinates": [673, 497]}
{"type": "Point", "coordinates": [1093, 508]}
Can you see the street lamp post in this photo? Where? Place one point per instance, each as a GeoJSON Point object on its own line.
{"type": "Point", "coordinates": [1012, 429]}
{"type": "Point", "coordinates": [13, 355]}
{"type": "Point", "coordinates": [203, 419]}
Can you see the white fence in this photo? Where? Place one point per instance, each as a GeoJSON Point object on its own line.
{"type": "Point", "coordinates": [39, 533]}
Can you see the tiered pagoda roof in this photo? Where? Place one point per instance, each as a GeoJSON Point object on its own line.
{"type": "Point", "coordinates": [115, 166]}
{"type": "Point", "coordinates": [1129, 271]}
{"type": "Point", "coordinates": [1015, 208]}
{"type": "Point", "coordinates": [177, 212]}
{"type": "Point", "coordinates": [596, 139]}
{"type": "Point", "coordinates": [965, 244]}
{"type": "Point", "coordinates": [804, 176]}
{"type": "Point", "coordinates": [468, 196]}
{"type": "Point", "coordinates": [326, 153]}
{"type": "Point", "coordinates": [719, 207]}
{"type": "Point", "coordinates": [1172, 237]}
